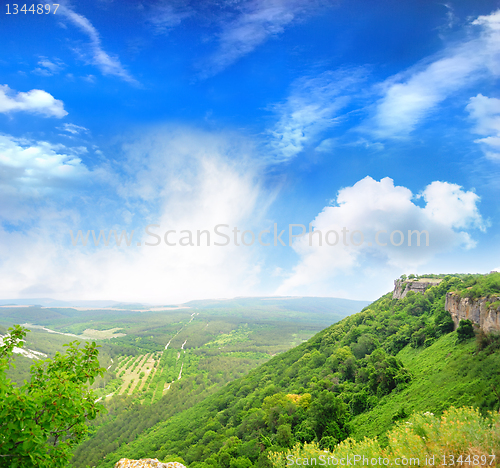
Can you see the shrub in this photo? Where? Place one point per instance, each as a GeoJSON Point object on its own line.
{"type": "Point", "coordinates": [487, 342]}
{"type": "Point", "coordinates": [465, 331]}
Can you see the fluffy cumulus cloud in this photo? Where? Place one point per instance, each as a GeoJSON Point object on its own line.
{"type": "Point", "coordinates": [312, 106]}
{"type": "Point", "coordinates": [485, 112]}
{"type": "Point", "coordinates": [411, 96]}
{"type": "Point", "coordinates": [36, 101]}
{"type": "Point", "coordinates": [36, 164]}
{"type": "Point", "coordinates": [178, 180]}
{"type": "Point", "coordinates": [381, 213]}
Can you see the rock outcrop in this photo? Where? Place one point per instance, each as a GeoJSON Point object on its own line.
{"type": "Point", "coordinates": [403, 287]}
{"type": "Point", "coordinates": [147, 463]}
{"type": "Point", "coordinates": [484, 311]}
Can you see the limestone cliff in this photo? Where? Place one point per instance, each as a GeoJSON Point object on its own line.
{"type": "Point", "coordinates": [484, 311]}
{"type": "Point", "coordinates": [403, 287]}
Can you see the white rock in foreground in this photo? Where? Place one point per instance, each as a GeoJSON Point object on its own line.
{"type": "Point", "coordinates": [147, 463]}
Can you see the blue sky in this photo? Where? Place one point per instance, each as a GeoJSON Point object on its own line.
{"type": "Point", "coordinates": [250, 114]}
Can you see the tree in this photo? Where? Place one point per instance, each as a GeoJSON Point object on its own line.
{"type": "Point", "coordinates": [443, 322]}
{"type": "Point", "coordinates": [284, 436]}
{"type": "Point", "coordinates": [329, 416]}
{"type": "Point", "coordinates": [41, 420]}
{"type": "Point", "coordinates": [465, 331]}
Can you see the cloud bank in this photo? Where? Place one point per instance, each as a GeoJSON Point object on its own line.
{"type": "Point", "coordinates": [179, 178]}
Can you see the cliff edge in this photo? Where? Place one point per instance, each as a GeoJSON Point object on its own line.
{"type": "Point", "coordinates": [484, 311]}
{"type": "Point", "coordinates": [403, 287]}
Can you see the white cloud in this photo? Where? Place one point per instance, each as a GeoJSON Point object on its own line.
{"type": "Point", "coordinates": [326, 146]}
{"type": "Point", "coordinates": [74, 129]}
{"type": "Point", "coordinates": [312, 107]}
{"type": "Point", "coordinates": [48, 67]}
{"type": "Point", "coordinates": [451, 17]}
{"type": "Point", "coordinates": [166, 15]}
{"type": "Point", "coordinates": [36, 101]}
{"type": "Point", "coordinates": [101, 59]}
{"type": "Point", "coordinates": [37, 164]}
{"type": "Point", "coordinates": [410, 97]}
{"type": "Point", "coordinates": [255, 22]}
{"type": "Point", "coordinates": [486, 113]}
{"type": "Point", "coordinates": [448, 205]}
{"type": "Point", "coordinates": [176, 178]}
{"type": "Point", "coordinates": [375, 145]}
{"type": "Point", "coordinates": [370, 207]}
{"type": "Point", "coordinates": [31, 171]}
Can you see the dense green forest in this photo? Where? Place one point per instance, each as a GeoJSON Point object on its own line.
{"type": "Point", "coordinates": [354, 379]}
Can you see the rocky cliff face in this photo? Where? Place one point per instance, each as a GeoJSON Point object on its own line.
{"type": "Point", "coordinates": [479, 311]}
{"type": "Point", "coordinates": [402, 288]}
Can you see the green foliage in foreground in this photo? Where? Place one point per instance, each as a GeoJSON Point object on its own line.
{"type": "Point", "coordinates": [460, 437]}
{"type": "Point", "coordinates": [41, 420]}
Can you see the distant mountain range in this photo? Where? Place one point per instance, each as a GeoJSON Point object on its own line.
{"type": "Point", "coordinates": [342, 306]}
{"type": "Point", "coordinates": [48, 302]}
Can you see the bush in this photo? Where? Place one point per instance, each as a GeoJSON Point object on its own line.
{"type": "Point", "coordinates": [465, 331]}
{"type": "Point", "coordinates": [487, 342]}
{"type": "Point", "coordinates": [443, 322]}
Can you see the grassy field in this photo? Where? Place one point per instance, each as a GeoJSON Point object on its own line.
{"type": "Point", "coordinates": [103, 334]}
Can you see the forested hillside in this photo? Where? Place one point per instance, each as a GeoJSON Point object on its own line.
{"type": "Point", "coordinates": [355, 378]}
